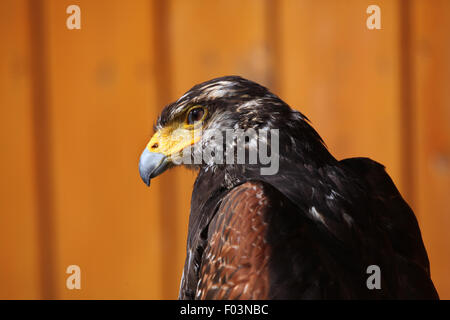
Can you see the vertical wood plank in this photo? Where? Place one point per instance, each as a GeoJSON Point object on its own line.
{"type": "Point", "coordinates": [170, 235]}
{"type": "Point", "coordinates": [102, 104]}
{"type": "Point", "coordinates": [431, 82]}
{"type": "Point", "coordinates": [19, 238]}
{"type": "Point", "coordinates": [43, 165]}
{"type": "Point", "coordinates": [344, 77]}
{"type": "Point", "coordinates": [210, 39]}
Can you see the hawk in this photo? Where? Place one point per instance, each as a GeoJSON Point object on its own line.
{"type": "Point", "coordinates": [309, 230]}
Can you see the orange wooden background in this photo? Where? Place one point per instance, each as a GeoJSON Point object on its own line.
{"type": "Point", "coordinates": [77, 108]}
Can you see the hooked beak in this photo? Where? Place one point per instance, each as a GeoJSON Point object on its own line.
{"type": "Point", "coordinates": [152, 164]}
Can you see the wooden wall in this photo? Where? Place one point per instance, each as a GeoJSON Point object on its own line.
{"type": "Point", "coordinates": [77, 108]}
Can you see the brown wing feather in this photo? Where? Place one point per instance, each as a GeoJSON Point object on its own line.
{"type": "Point", "coordinates": [235, 261]}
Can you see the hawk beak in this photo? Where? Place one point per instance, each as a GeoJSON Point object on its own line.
{"type": "Point", "coordinates": [152, 164]}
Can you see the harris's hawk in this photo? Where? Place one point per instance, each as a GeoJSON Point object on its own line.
{"type": "Point", "coordinates": [310, 230]}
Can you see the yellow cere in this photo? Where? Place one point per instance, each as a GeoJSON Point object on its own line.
{"type": "Point", "coordinates": [173, 139]}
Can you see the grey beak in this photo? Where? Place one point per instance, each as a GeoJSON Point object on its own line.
{"type": "Point", "coordinates": [152, 164]}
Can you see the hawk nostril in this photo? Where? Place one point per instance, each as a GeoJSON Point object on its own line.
{"type": "Point", "coordinates": [155, 145]}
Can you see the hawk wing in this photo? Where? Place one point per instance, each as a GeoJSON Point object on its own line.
{"type": "Point", "coordinates": [398, 221]}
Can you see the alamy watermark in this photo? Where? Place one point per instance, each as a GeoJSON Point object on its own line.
{"type": "Point", "coordinates": [73, 281]}
{"type": "Point", "coordinates": [374, 280]}
{"type": "Point", "coordinates": [74, 20]}
{"type": "Point", "coordinates": [231, 146]}
{"type": "Point", "coordinates": [374, 20]}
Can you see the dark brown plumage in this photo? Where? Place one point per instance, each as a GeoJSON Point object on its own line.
{"type": "Point", "coordinates": [307, 232]}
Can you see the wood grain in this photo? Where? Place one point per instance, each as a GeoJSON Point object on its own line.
{"type": "Point", "coordinates": [102, 109]}
{"type": "Point", "coordinates": [431, 116]}
{"type": "Point", "coordinates": [20, 268]}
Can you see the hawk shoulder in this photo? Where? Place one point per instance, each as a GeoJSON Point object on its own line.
{"type": "Point", "coordinates": [235, 261]}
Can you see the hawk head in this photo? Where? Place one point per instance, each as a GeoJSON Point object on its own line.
{"type": "Point", "coordinates": [188, 126]}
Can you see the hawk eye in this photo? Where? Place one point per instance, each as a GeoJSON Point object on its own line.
{"type": "Point", "coordinates": [195, 115]}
